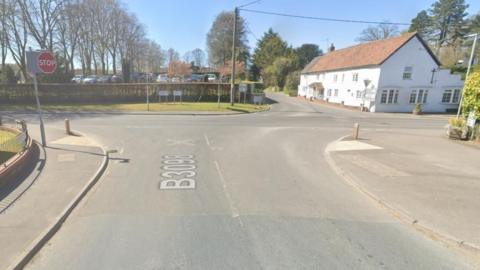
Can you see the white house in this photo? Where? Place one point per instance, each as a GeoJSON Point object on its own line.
{"type": "Point", "coordinates": [389, 75]}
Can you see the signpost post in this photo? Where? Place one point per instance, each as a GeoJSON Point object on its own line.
{"type": "Point", "coordinates": [471, 121]}
{"type": "Point", "coordinates": [243, 89]}
{"type": "Point", "coordinates": [40, 62]}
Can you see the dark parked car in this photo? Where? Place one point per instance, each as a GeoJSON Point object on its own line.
{"type": "Point", "coordinates": [196, 78]}
{"type": "Point", "coordinates": [116, 79]}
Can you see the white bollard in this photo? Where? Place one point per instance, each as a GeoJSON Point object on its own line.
{"type": "Point", "coordinates": [67, 127]}
{"type": "Point", "coordinates": [356, 129]}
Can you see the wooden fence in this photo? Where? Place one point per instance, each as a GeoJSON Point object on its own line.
{"type": "Point", "coordinates": [109, 93]}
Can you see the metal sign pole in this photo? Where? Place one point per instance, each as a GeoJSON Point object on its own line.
{"type": "Point", "coordinates": [148, 101]}
{"type": "Point", "coordinates": [232, 79]}
{"type": "Point", "coordinates": [39, 110]}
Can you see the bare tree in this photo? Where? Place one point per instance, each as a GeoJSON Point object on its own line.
{"type": "Point", "coordinates": [198, 57]}
{"type": "Point", "coordinates": [41, 17]}
{"type": "Point", "coordinates": [67, 35]}
{"type": "Point", "coordinates": [172, 55]}
{"type": "Point", "coordinates": [219, 39]}
{"type": "Point", "coordinates": [380, 31]}
{"type": "Point", "coordinates": [17, 31]}
{"type": "Point", "coordinates": [96, 33]}
{"type": "Point", "coordinates": [4, 13]}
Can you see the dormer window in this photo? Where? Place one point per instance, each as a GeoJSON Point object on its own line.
{"type": "Point", "coordinates": [407, 73]}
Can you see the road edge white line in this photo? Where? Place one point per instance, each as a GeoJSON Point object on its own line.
{"type": "Point", "coordinates": [233, 209]}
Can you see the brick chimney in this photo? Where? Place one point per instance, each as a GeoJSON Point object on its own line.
{"type": "Point", "coordinates": [332, 48]}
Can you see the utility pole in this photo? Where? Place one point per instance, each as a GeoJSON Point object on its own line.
{"type": "Point", "coordinates": [234, 45]}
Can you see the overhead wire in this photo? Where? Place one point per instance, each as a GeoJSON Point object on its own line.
{"type": "Point", "coordinates": [321, 18]}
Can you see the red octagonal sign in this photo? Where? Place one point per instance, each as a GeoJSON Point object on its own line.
{"type": "Point", "coordinates": [46, 62]}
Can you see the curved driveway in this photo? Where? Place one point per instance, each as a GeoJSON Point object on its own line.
{"type": "Point", "coordinates": [264, 198]}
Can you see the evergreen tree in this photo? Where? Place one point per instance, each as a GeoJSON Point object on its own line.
{"type": "Point", "coordinates": [269, 47]}
{"type": "Point", "coordinates": [422, 24]}
{"type": "Point", "coordinates": [448, 21]}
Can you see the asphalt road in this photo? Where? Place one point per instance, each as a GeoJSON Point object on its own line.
{"type": "Point", "coordinates": [264, 197]}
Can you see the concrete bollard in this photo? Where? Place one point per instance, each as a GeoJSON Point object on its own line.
{"type": "Point", "coordinates": [67, 127]}
{"type": "Point", "coordinates": [356, 129]}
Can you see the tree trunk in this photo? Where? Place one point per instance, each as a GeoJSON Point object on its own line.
{"type": "Point", "coordinates": [114, 64]}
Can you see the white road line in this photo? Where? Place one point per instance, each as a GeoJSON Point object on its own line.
{"type": "Point", "coordinates": [234, 210]}
{"type": "Point", "coordinates": [207, 140]}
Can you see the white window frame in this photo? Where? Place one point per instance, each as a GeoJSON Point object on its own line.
{"type": "Point", "coordinates": [329, 92]}
{"type": "Point", "coordinates": [389, 96]}
{"type": "Point", "coordinates": [454, 96]}
{"type": "Point", "coordinates": [407, 73]}
{"type": "Point", "coordinates": [343, 77]}
{"type": "Point", "coordinates": [355, 77]}
{"type": "Point", "coordinates": [419, 96]}
{"type": "Point", "coordinates": [335, 77]}
{"type": "Point", "coordinates": [335, 93]}
{"type": "Point", "coordinates": [359, 94]}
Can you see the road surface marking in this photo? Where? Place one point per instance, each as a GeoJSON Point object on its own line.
{"type": "Point", "coordinates": [351, 146]}
{"type": "Point", "coordinates": [176, 170]}
{"type": "Point", "coordinates": [74, 140]}
{"type": "Point", "coordinates": [207, 140]}
{"type": "Point", "coordinates": [233, 209]}
{"type": "Point", "coordinates": [172, 142]}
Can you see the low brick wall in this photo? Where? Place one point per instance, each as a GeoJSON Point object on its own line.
{"type": "Point", "coordinates": [20, 164]}
{"type": "Point", "coordinates": [107, 93]}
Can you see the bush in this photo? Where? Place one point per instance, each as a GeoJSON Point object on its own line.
{"type": "Point", "coordinates": [7, 76]}
{"type": "Point", "coordinates": [458, 123]}
{"type": "Point", "coordinates": [291, 83]}
{"type": "Point", "coordinates": [471, 96]}
{"type": "Point", "coordinates": [418, 108]}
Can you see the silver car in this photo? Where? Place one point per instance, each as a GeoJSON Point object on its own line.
{"type": "Point", "coordinates": [92, 79]}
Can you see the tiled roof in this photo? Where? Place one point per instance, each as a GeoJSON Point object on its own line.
{"type": "Point", "coordinates": [366, 54]}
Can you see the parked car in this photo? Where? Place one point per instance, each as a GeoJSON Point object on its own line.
{"type": "Point", "coordinates": [77, 78]}
{"type": "Point", "coordinates": [104, 79]}
{"type": "Point", "coordinates": [92, 79]}
{"type": "Point", "coordinates": [176, 79]}
{"type": "Point", "coordinates": [162, 78]}
{"type": "Point", "coordinates": [196, 78]}
{"type": "Point", "coordinates": [116, 79]}
{"type": "Point", "coordinates": [211, 77]}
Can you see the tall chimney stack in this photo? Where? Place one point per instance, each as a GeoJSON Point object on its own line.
{"type": "Point", "coordinates": [332, 48]}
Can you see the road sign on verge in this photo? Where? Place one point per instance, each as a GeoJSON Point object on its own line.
{"type": "Point", "coordinates": [41, 62]}
{"type": "Point", "coordinates": [164, 93]}
{"type": "Point", "coordinates": [242, 88]}
{"type": "Point", "coordinates": [471, 119]}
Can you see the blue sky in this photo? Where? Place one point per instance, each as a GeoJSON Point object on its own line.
{"type": "Point", "coordinates": [183, 24]}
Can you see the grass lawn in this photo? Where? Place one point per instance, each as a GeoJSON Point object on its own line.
{"type": "Point", "coordinates": [5, 155]}
{"type": "Point", "coordinates": [154, 107]}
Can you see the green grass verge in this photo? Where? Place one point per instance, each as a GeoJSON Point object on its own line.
{"type": "Point", "coordinates": [5, 155]}
{"type": "Point", "coordinates": [154, 107]}
{"type": "Point", "coordinates": [5, 136]}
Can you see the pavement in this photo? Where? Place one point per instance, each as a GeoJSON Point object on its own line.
{"type": "Point", "coordinates": [31, 207]}
{"type": "Point", "coordinates": [420, 174]}
{"type": "Point", "coordinates": [259, 194]}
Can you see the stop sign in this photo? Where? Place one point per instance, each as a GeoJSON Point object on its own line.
{"type": "Point", "coordinates": [46, 62]}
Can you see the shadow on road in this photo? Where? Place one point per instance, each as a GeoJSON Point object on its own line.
{"type": "Point", "coordinates": [12, 190]}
